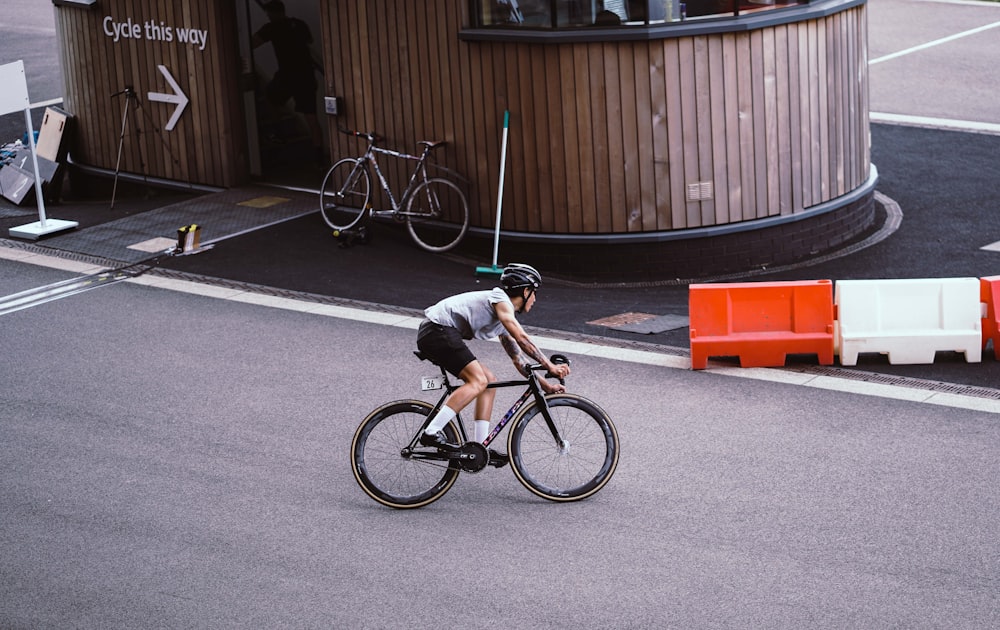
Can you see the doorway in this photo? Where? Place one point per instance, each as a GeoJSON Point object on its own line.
{"type": "Point", "coordinates": [283, 89]}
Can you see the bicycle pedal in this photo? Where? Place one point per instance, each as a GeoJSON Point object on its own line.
{"type": "Point", "coordinates": [439, 441]}
{"type": "Point", "coordinates": [497, 459]}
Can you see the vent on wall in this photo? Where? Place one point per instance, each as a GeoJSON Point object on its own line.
{"type": "Point", "coordinates": [700, 191]}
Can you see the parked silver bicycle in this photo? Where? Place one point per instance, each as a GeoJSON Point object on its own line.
{"type": "Point", "coordinates": [435, 210]}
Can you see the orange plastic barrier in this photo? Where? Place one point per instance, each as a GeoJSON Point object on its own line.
{"type": "Point", "coordinates": [989, 294]}
{"type": "Point", "coordinates": [761, 322]}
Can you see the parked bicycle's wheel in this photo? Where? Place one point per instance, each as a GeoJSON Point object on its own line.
{"type": "Point", "coordinates": [437, 215]}
{"type": "Point", "coordinates": [344, 195]}
{"type": "Point", "coordinates": [380, 466]}
{"type": "Point", "coordinates": [571, 470]}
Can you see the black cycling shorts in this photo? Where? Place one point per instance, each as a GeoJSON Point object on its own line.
{"type": "Point", "coordinates": [444, 345]}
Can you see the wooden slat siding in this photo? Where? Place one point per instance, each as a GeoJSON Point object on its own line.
{"type": "Point", "coordinates": [675, 133]}
{"type": "Point", "coordinates": [630, 139]}
{"type": "Point", "coordinates": [825, 114]}
{"type": "Point", "coordinates": [794, 119]}
{"type": "Point", "coordinates": [863, 105]}
{"type": "Point", "coordinates": [486, 147]}
{"type": "Point", "coordinates": [457, 152]}
{"type": "Point", "coordinates": [689, 126]}
{"type": "Point", "coordinates": [850, 105]}
{"type": "Point", "coordinates": [759, 109]}
{"type": "Point", "coordinates": [765, 115]}
{"type": "Point", "coordinates": [392, 44]}
{"type": "Point", "coordinates": [833, 84]}
{"type": "Point", "coordinates": [96, 67]}
{"type": "Point", "coordinates": [804, 116]}
{"type": "Point", "coordinates": [528, 199]}
{"type": "Point", "coordinates": [661, 147]}
{"type": "Point", "coordinates": [719, 175]}
{"type": "Point", "coordinates": [816, 114]}
{"type": "Point", "coordinates": [703, 126]}
{"type": "Point", "coordinates": [732, 180]}
{"type": "Point", "coordinates": [468, 67]}
{"type": "Point", "coordinates": [605, 136]}
{"type": "Point", "coordinates": [187, 71]}
{"type": "Point", "coordinates": [542, 136]}
{"type": "Point", "coordinates": [585, 143]}
{"type": "Point", "coordinates": [615, 219]}
{"type": "Point", "coordinates": [515, 195]}
{"type": "Point", "coordinates": [555, 149]}
{"type": "Point", "coordinates": [781, 69]}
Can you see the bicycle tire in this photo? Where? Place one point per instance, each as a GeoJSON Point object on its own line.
{"type": "Point", "coordinates": [574, 471]}
{"type": "Point", "coordinates": [344, 195]}
{"type": "Point", "coordinates": [437, 215]}
{"type": "Point", "coordinates": [383, 472]}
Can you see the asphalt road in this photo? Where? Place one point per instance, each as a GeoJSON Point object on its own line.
{"type": "Point", "coordinates": [175, 460]}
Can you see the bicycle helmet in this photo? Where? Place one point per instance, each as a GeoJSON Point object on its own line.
{"type": "Point", "coordinates": [520, 276]}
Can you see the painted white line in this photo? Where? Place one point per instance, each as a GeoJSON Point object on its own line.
{"type": "Point", "coordinates": [934, 123]}
{"type": "Point", "coordinates": [936, 42]}
{"type": "Point", "coordinates": [992, 247]}
{"type": "Point", "coordinates": [628, 355]}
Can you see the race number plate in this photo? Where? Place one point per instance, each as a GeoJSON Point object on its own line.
{"type": "Point", "coordinates": [429, 383]}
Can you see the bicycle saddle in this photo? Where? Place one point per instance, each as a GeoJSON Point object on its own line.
{"type": "Point", "coordinates": [433, 144]}
{"type": "Point", "coordinates": [423, 357]}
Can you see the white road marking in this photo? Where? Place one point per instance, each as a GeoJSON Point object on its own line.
{"type": "Point", "coordinates": [644, 357]}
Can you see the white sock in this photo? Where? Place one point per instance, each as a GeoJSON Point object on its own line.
{"type": "Point", "coordinates": [482, 429]}
{"type": "Point", "coordinates": [443, 417]}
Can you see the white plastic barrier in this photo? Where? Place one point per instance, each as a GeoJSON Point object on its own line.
{"type": "Point", "coordinates": [909, 319]}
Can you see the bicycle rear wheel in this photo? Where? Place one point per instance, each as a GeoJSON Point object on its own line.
{"type": "Point", "coordinates": [437, 215]}
{"type": "Point", "coordinates": [344, 195]}
{"type": "Point", "coordinates": [381, 468]}
{"type": "Point", "coordinates": [578, 467]}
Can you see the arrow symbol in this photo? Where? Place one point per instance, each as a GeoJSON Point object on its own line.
{"type": "Point", "coordinates": [178, 98]}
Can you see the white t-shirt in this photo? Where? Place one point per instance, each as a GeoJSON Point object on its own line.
{"type": "Point", "coordinates": [471, 313]}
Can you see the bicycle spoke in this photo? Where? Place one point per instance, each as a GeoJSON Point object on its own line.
{"type": "Point", "coordinates": [578, 466]}
{"type": "Point", "coordinates": [382, 469]}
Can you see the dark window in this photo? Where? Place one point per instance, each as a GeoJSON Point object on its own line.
{"type": "Point", "coordinates": [559, 14]}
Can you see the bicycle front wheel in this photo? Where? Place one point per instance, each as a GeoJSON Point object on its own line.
{"type": "Point", "coordinates": [437, 215]}
{"type": "Point", "coordinates": [575, 467]}
{"type": "Point", "coordinates": [381, 468]}
{"type": "Point", "coordinates": [344, 195]}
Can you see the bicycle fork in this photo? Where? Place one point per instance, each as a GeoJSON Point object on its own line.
{"type": "Point", "coordinates": [546, 413]}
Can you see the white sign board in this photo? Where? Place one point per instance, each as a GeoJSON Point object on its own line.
{"type": "Point", "coordinates": [13, 98]}
{"type": "Point", "coordinates": [14, 95]}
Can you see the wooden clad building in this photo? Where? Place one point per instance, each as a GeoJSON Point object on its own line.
{"type": "Point", "coordinates": [118, 45]}
{"type": "Point", "coordinates": [712, 144]}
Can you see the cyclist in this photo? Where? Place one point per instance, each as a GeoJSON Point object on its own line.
{"type": "Point", "coordinates": [482, 315]}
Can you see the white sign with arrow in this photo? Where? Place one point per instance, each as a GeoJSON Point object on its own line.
{"type": "Point", "coordinates": [178, 98]}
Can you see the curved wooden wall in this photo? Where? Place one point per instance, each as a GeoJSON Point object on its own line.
{"type": "Point", "coordinates": [609, 137]}
{"type": "Point", "coordinates": [208, 143]}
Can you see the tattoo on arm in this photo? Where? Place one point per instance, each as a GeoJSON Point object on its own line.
{"type": "Point", "coordinates": [514, 352]}
{"type": "Point", "coordinates": [532, 351]}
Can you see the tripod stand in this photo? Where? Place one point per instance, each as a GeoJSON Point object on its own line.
{"type": "Point", "coordinates": [130, 98]}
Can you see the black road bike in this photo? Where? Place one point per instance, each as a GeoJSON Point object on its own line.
{"type": "Point", "coordinates": [562, 447]}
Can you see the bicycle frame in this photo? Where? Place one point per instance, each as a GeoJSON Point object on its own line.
{"type": "Point", "coordinates": [533, 391]}
{"type": "Point", "coordinates": [419, 174]}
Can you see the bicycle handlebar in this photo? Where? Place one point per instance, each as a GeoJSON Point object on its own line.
{"type": "Point", "coordinates": [558, 359]}
{"type": "Point", "coordinates": [371, 136]}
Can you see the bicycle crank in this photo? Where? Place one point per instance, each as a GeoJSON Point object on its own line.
{"type": "Point", "coordinates": [471, 457]}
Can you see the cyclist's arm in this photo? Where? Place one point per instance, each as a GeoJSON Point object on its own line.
{"type": "Point", "coordinates": [523, 343]}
